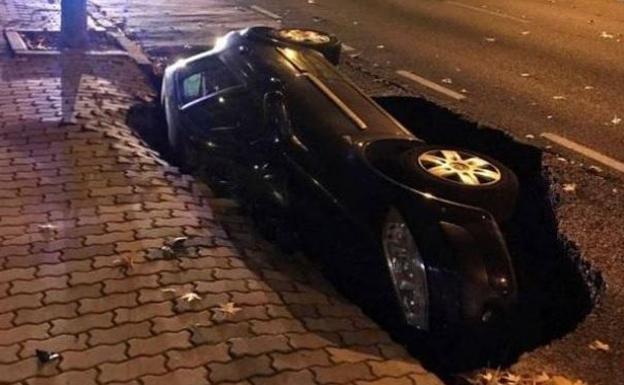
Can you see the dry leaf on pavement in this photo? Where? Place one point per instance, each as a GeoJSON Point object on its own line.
{"type": "Point", "coordinates": [227, 308]}
{"type": "Point", "coordinates": [126, 262]}
{"type": "Point", "coordinates": [599, 345]}
{"type": "Point", "coordinates": [606, 35]}
{"type": "Point", "coordinates": [190, 297]}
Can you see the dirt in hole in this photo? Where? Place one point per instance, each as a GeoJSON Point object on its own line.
{"type": "Point", "coordinates": [557, 288]}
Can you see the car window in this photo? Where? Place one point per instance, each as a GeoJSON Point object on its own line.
{"type": "Point", "coordinates": [205, 78]}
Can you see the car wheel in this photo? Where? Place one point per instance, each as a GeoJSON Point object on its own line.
{"type": "Point", "coordinates": [462, 176]}
{"type": "Point", "coordinates": [325, 43]}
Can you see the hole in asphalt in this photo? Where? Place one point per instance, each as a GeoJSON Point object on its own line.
{"type": "Point", "coordinates": [557, 287]}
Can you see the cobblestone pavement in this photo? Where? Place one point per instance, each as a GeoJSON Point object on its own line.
{"type": "Point", "coordinates": [85, 207]}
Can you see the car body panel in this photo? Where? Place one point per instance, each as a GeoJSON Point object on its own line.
{"type": "Point", "coordinates": [292, 112]}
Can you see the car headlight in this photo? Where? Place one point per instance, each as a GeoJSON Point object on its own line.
{"type": "Point", "coordinates": [407, 270]}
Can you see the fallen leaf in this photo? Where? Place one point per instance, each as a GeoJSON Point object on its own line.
{"type": "Point", "coordinates": [559, 97]}
{"type": "Point", "coordinates": [490, 39]}
{"type": "Point", "coordinates": [526, 33]}
{"type": "Point", "coordinates": [381, 46]}
{"type": "Point", "coordinates": [510, 378]}
{"type": "Point", "coordinates": [540, 378]}
{"type": "Point", "coordinates": [595, 169]}
{"type": "Point", "coordinates": [227, 308]}
{"type": "Point", "coordinates": [447, 81]}
{"type": "Point", "coordinates": [616, 120]}
{"type": "Point", "coordinates": [589, 87]}
{"type": "Point", "coordinates": [599, 345]}
{"type": "Point", "coordinates": [606, 35]}
{"type": "Point", "coordinates": [190, 297]}
{"type": "Point", "coordinates": [168, 290]}
{"type": "Point", "coordinates": [525, 75]}
{"type": "Point", "coordinates": [569, 187]}
{"type": "Point", "coordinates": [48, 227]}
{"type": "Point", "coordinates": [126, 262]}
{"type": "Point", "coordinates": [529, 136]}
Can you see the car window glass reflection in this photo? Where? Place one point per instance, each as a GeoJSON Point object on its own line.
{"type": "Point", "coordinates": [208, 79]}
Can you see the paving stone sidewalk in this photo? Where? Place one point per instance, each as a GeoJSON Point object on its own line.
{"type": "Point", "coordinates": [85, 207]}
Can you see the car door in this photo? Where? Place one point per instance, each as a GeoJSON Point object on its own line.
{"type": "Point", "coordinates": [216, 111]}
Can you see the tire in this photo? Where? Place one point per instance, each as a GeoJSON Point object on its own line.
{"type": "Point", "coordinates": [327, 44]}
{"type": "Point", "coordinates": [497, 196]}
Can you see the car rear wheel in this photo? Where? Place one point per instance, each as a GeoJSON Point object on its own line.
{"type": "Point", "coordinates": [461, 176]}
{"type": "Point", "coordinates": [325, 43]}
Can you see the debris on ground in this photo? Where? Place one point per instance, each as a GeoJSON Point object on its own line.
{"type": "Point", "coordinates": [177, 244]}
{"type": "Point", "coordinates": [498, 377]}
{"type": "Point", "coordinates": [447, 81]}
{"type": "Point", "coordinates": [559, 97]}
{"type": "Point", "coordinates": [44, 356]}
{"type": "Point", "coordinates": [616, 120]}
{"type": "Point", "coordinates": [569, 187]}
{"type": "Point", "coordinates": [126, 262]}
{"type": "Point", "coordinates": [167, 252]}
{"type": "Point", "coordinates": [606, 35]}
{"type": "Point", "coordinates": [225, 310]}
{"type": "Point", "coordinates": [600, 346]}
{"type": "Point", "coordinates": [190, 297]}
{"type": "Point", "coordinates": [595, 169]}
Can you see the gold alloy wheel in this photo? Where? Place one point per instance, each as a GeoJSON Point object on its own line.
{"type": "Point", "coordinates": [459, 167]}
{"type": "Point", "coordinates": [304, 36]}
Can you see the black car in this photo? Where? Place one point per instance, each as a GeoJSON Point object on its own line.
{"type": "Point", "coordinates": [270, 107]}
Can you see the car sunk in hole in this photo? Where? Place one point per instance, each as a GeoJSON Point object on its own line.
{"type": "Point", "coordinates": [267, 111]}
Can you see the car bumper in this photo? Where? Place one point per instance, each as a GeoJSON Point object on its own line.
{"type": "Point", "coordinates": [470, 275]}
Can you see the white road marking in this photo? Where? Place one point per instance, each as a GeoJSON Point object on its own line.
{"type": "Point", "coordinates": [585, 151]}
{"type": "Point", "coordinates": [347, 47]}
{"type": "Point", "coordinates": [429, 84]}
{"type": "Point", "coordinates": [487, 11]}
{"type": "Point", "coordinates": [265, 12]}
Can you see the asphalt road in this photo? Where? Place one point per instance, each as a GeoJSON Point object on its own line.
{"type": "Point", "coordinates": [529, 66]}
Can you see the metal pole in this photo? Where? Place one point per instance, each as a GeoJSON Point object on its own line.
{"type": "Point", "coordinates": [73, 23]}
